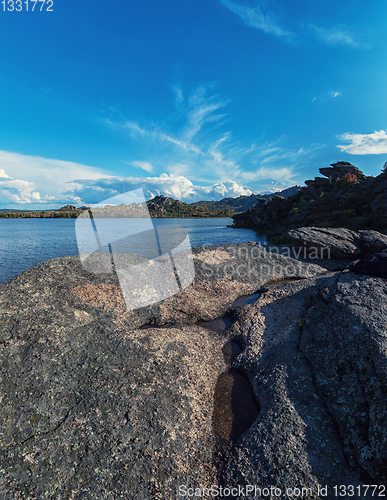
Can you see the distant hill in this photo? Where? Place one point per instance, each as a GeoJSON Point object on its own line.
{"type": "Point", "coordinates": [285, 193]}
{"type": "Point", "coordinates": [243, 203]}
{"type": "Point", "coordinates": [237, 205]}
{"type": "Point", "coordinates": [161, 207]}
{"type": "Point", "coordinates": [164, 206]}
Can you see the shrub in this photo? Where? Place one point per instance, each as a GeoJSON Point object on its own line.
{"type": "Point", "coordinates": [347, 180]}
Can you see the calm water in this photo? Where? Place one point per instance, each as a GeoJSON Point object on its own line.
{"type": "Point", "coordinates": [26, 242]}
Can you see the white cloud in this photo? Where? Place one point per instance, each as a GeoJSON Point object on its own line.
{"type": "Point", "coordinates": [3, 175]}
{"type": "Point", "coordinates": [19, 191]}
{"type": "Point", "coordinates": [133, 127]}
{"type": "Point", "coordinates": [255, 17]}
{"type": "Point", "coordinates": [185, 146]}
{"type": "Point", "coordinates": [175, 186]}
{"type": "Point", "coordinates": [141, 164]}
{"type": "Point", "coordinates": [197, 121]}
{"type": "Point", "coordinates": [364, 144]}
{"type": "Point", "coordinates": [200, 110]}
{"type": "Point", "coordinates": [33, 179]}
{"type": "Point", "coordinates": [283, 174]}
{"type": "Point", "coordinates": [334, 94]}
{"type": "Point", "coordinates": [179, 169]}
{"type": "Point", "coordinates": [336, 35]}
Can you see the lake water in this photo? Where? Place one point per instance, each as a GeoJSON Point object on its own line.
{"type": "Point", "coordinates": [27, 242]}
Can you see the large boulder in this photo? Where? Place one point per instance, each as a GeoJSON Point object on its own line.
{"type": "Point", "coordinates": [340, 242]}
{"type": "Point", "coordinates": [101, 403]}
{"type": "Point", "coordinates": [345, 341]}
{"type": "Point", "coordinates": [315, 352]}
{"type": "Point", "coordinates": [98, 402]}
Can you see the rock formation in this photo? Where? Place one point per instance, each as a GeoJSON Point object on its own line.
{"type": "Point", "coordinates": [316, 356]}
{"type": "Point", "coordinates": [340, 242]}
{"type": "Point", "coordinates": [101, 402]}
{"type": "Point", "coordinates": [340, 168]}
{"type": "Point", "coordinates": [348, 199]}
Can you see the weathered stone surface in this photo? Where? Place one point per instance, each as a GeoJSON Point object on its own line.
{"type": "Point", "coordinates": [316, 354]}
{"type": "Point", "coordinates": [293, 442]}
{"type": "Point", "coordinates": [371, 241]}
{"type": "Point", "coordinates": [341, 242]}
{"type": "Point", "coordinates": [345, 338]}
{"type": "Point", "coordinates": [91, 409]}
{"type": "Point", "coordinates": [94, 407]}
{"type": "Point", "coordinates": [102, 413]}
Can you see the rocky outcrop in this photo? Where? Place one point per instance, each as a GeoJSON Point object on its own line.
{"type": "Point", "coordinates": [345, 340]}
{"type": "Point", "coordinates": [101, 402]}
{"type": "Point", "coordinates": [347, 199]}
{"type": "Point", "coordinates": [340, 168]}
{"type": "Point", "coordinates": [93, 406]}
{"type": "Point", "coordinates": [340, 242]}
{"type": "Point", "coordinates": [317, 360]}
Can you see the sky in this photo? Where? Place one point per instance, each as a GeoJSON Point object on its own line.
{"type": "Point", "coordinates": [194, 99]}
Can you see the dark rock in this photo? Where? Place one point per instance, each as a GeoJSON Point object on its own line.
{"type": "Point", "coordinates": [345, 341]}
{"type": "Point", "coordinates": [373, 265]}
{"type": "Point", "coordinates": [381, 188]}
{"type": "Point", "coordinates": [316, 353]}
{"type": "Point", "coordinates": [371, 241]}
{"type": "Point", "coordinates": [324, 203]}
{"type": "Point", "coordinates": [379, 205]}
{"type": "Point", "coordinates": [339, 169]}
{"type": "Point", "coordinates": [340, 242]}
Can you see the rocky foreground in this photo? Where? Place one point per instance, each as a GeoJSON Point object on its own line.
{"type": "Point", "coordinates": [99, 402]}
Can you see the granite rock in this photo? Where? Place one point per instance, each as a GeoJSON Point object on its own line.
{"type": "Point", "coordinates": [315, 352]}
{"type": "Point", "coordinates": [95, 407]}
{"type": "Point", "coordinates": [340, 242]}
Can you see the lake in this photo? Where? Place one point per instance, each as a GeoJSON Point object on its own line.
{"type": "Point", "coordinates": [26, 242]}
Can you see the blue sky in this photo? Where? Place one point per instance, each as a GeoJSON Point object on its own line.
{"type": "Point", "coordinates": [196, 99]}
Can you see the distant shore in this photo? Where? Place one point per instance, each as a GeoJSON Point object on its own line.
{"type": "Point", "coordinates": [56, 214]}
{"type": "Point", "coordinates": [159, 208]}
